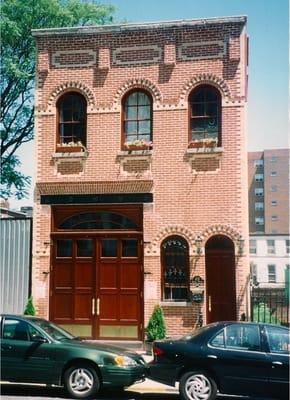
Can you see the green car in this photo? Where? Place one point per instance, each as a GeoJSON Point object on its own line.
{"type": "Point", "coordinates": [34, 350]}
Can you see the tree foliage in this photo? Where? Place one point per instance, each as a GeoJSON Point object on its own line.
{"type": "Point", "coordinates": [18, 18]}
{"type": "Point", "coordinates": [29, 308]}
{"type": "Point", "coordinates": [156, 328]}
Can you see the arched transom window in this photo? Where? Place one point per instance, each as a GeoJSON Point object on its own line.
{"type": "Point", "coordinates": [175, 269]}
{"type": "Point", "coordinates": [137, 118]}
{"type": "Point", "coordinates": [71, 119]}
{"type": "Point", "coordinates": [205, 113]}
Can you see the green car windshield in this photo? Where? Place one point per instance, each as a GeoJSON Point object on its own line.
{"type": "Point", "coordinates": [54, 331]}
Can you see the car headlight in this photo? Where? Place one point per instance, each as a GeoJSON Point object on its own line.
{"type": "Point", "coordinates": [124, 361]}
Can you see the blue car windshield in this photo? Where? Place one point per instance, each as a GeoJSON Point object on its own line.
{"type": "Point", "coordinates": [54, 331]}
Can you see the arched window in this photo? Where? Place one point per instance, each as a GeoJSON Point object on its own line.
{"type": "Point", "coordinates": [205, 113]}
{"type": "Point", "coordinates": [98, 220]}
{"type": "Point", "coordinates": [175, 269]}
{"type": "Point", "coordinates": [137, 118]}
{"type": "Point", "coordinates": [71, 119]}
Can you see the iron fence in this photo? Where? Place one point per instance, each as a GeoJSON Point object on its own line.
{"type": "Point", "coordinates": [270, 305]}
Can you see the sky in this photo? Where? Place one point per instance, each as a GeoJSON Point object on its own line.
{"type": "Point", "coordinates": [268, 92]}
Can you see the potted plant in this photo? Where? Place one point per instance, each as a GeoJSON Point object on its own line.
{"type": "Point", "coordinates": [195, 144]}
{"type": "Point", "coordinates": [156, 328]}
{"type": "Point", "coordinates": [138, 145]}
{"type": "Point", "coordinates": [210, 142]}
{"type": "Point", "coordinates": [29, 308]}
{"type": "Point", "coordinates": [70, 147]}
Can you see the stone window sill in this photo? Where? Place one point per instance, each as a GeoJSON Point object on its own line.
{"type": "Point", "coordinates": [175, 303]}
{"type": "Point", "coordinates": [79, 155]}
{"type": "Point", "coordinates": [204, 150]}
{"type": "Point", "coordinates": [133, 153]}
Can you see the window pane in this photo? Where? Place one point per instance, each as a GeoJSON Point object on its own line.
{"type": "Point", "coordinates": [130, 248]}
{"type": "Point", "coordinates": [197, 109]}
{"type": "Point", "coordinates": [130, 127]}
{"type": "Point", "coordinates": [64, 248]}
{"type": "Point", "coordinates": [144, 127]}
{"type": "Point", "coordinates": [218, 341]}
{"type": "Point", "coordinates": [85, 247]}
{"type": "Point", "coordinates": [16, 330]}
{"type": "Point", "coordinates": [143, 99]}
{"type": "Point", "coordinates": [144, 112]}
{"type": "Point", "coordinates": [131, 112]}
{"type": "Point", "coordinates": [278, 340]}
{"type": "Point", "coordinates": [109, 247]}
{"type": "Point", "coordinates": [246, 337]}
{"type": "Point", "coordinates": [132, 99]}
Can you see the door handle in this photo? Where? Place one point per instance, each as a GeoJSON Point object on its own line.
{"type": "Point", "coordinates": [277, 363]}
{"type": "Point", "coordinates": [211, 356]}
{"type": "Point", "coordinates": [93, 306]}
{"type": "Point", "coordinates": [209, 303]}
{"type": "Point", "coordinates": [98, 307]}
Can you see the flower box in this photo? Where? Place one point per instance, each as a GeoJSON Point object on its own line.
{"type": "Point", "coordinates": [137, 145]}
{"type": "Point", "coordinates": [196, 144]}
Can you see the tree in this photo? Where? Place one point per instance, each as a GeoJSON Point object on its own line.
{"type": "Point", "coordinates": [156, 326]}
{"type": "Point", "coordinates": [29, 308]}
{"type": "Point", "coordinates": [18, 53]}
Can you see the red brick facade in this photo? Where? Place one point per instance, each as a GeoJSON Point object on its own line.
{"type": "Point", "coordinates": [197, 193]}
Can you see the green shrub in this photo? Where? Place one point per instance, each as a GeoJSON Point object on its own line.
{"type": "Point", "coordinates": [156, 326]}
{"type": "Point", "coordinates": [29, 308]}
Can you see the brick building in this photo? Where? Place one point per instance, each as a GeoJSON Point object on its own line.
{"type": "Point", "coordinates": [141, 187]}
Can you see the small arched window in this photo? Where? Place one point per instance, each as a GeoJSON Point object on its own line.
{"type": "Point", "coordinates": [175, 269]}
{"type": "Point", "coordinates": [205, 113]}
{"type": "Point", "coordinates": [137, 119]}
{"type": "Point", "coordinates": [72, 119]}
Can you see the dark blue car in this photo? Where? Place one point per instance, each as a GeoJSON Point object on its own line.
{"type": "Point", "coordinates": [236, 358]}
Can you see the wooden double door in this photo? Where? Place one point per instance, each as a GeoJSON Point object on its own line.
{"type": "Point", "coordinates": [96, 285]}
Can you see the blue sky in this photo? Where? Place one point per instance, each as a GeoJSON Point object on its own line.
{"type": "Point", "coordinates": [267, 120]}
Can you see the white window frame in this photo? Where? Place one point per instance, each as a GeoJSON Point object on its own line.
{"type": "Point", "coordinates": [271, 246]}
{"type": "Point", "coordinates": [259, 206]}
{"type": "Point", "coordinates": [272, 278]}
{"type": "Point", "coordinates": [259, 192]}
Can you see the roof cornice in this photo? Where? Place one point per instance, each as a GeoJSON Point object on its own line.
{"type": "Point", "coordinates": [117, 28]}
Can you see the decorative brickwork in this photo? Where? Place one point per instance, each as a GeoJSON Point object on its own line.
{"type": "Point", "coordinates": [210, 79]}
{"type": "Point", "coordinates": [137, 55]}
{"type": "Point", "coordinates": [202, 50]}
{"type": "Point", "coordinates": [73, 59]}
{"type": "Point", "coordinates": [196, 193]}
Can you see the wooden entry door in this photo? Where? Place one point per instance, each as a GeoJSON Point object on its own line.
{"type": "Point", "coordinates": [96, 286]}
{"type": "Point", "coordinates": [220, 281]}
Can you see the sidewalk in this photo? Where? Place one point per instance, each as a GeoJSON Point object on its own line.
{"type": "Point", "coordinates": [151, 386]}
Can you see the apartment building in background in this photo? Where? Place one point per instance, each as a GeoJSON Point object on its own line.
{"type": "Point", "coordinates": [141, 191]}
{"type": "Point", "coordinates": [269, 217]}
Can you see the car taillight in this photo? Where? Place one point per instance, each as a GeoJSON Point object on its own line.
{"type": "Point", "coordinates": [157, 351]}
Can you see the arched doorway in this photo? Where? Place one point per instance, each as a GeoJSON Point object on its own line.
{"type": "Point", "coordinates": [220, 279]}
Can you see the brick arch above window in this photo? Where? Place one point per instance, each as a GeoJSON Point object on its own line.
{"type": "Point", "coordinates": [204, 79]}
{"type": "Point", "coordinates": [138, 83]}
{"type": "Point", "coordinates": [75, 86]}
{"type": "Point", "coordinates": [153, 248]}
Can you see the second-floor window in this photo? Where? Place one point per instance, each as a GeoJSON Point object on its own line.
{"type": "Point", "coordinates": [71, 119]}
{"type": "Point", "coordinates": [287, 243]}
{"type": "Point", "coordinates": [259, 192]}
{"type": "Point", "coordinates": [137, 118]}
{"type": "Point", "coordinates": [271, 246]}
{"type": "Point", "coordinates": [271, 273]}
{"type": "Point", "coordinates": [259, 206]}
{"type": "Point", "coordinates": [253, 246]}
{"type": "Point", "coordinates": [205, 113]}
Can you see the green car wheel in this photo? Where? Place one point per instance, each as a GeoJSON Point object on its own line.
{"type": "Point", "coordinates": [81, 381]}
